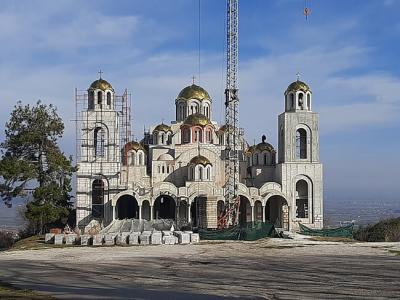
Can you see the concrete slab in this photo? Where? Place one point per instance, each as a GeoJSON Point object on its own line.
{"type": "Point", "coordinates": [122, 238]}
{"type": "Point", "coordinates": [98, 239]}
{"type": "Point", "coordinates": [164, 233]}
{"type": "Point", "coordinates": [109, 239]}
{"type": "Point", "coordinates": [70, 239]}
{"type": "Point", "coordinates": [145, 239]}
{"type": "Point", "coordinates": [183, 238]}
{"type": "Point", "coordinates": [156, 238]}
{"type": "Point", "coordinates": [59, 239]}
{"type": "Point", "coordinates": [85, 240]}
{"type": "Point", "coordinates": [49, 238]}
{"type": "Point", "coordinates": [169, 240]}
{"type": "Point", "coordinates": [194, 238]}
{"type": "Point", "coordinates": [134, 238]}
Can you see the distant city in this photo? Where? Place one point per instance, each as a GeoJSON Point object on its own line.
{"type": "Point", "coordinates": [336, 213]}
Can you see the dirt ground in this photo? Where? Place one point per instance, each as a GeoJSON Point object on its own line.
{"type": "Point", "coordinates": [265, 269]}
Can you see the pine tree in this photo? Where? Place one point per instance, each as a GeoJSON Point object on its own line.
{"type": "Point", "coordinates": [32, 160]}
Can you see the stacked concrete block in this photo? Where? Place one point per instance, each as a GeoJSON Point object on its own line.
{"type": "Point", "coordinates": [109, 239]}
{"type": "Point", "coordinates": [98, 240]}
{"type": "Point", "coordinates": [58, 239]}
{"type": "Point", "coordinates": [156, 238]}
{"type": "Point", "coordinates": [49, 238]}
{"type": "Point", "coordinates": [134, 238]}
{"type": "Point", "coordinates": [70, 239]}
{"type": "Point", "coordinates": [85, 239]}
{"type": "Point", "coordinates": [183, 237]}
{"type": "Point", "coordinates": [122, 239]}
{"type": "Point", "coordinates": [145, 238]}
{"type": "Point", "coordinates": [194, 238]}
{"type": "Point", "coordinates": [170, 240]}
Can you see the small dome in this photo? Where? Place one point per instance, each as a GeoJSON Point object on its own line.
{"type": "Point", "coordinates": [264, 147]}
{"type": "Point", "coordinates": [250, 150]}
{"type": "Point", "coordinates": [162, 127]}
{"type": "Point", "coordinates": [298, 86]}
{"type": "Point", "coordinates": [200, 160]}
{"type": "Point", "coordinates": [194, 92]}
{"type": "Point", "coordinates": [197, 120]}
{"type": "Point", "coordinates": [135, 146]}
{"type": "Point", "coordinates": [101, 84]}
{"type": "Point", "coordinates": [165, 156]}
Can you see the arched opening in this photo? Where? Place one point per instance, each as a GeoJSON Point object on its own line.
{"type": "Point", "coordinates": [292, 100]}
{"type": "Point", "coordinates": [197, 137]}
{"type": "Point", "coordinates": [308, 101]}
{"type": "Point", "coordinates": [127, 208]}
{"type": "Point", "coordinates": [301, 101]}
{"type": "Point", "coordinates": [301, 143]}
{"type": "Point", "coordinates": [258, 213]}
{"type": "Point", "coordinates": [146, 210]}
{"type": "Point", "coordinates": [91, 100]}
{"type": "Point", "coordinates": [198, 212]}
{"type": "Point", "coordinates": [186, 135]}
{"type": "Point", "coordinates": [99, 98]}
{"type": "Point", "coordinates": [97, 198]}
{"type": "Point", "coordinates": [108, 98]}
{"type": "Point", "coordinates": [302, 199]}
{"type": "Point", "coordinates": [99, 137]}
{"type": "Point", "coordinates": [244, 211]}
{"type": "Point", "coordinates": [164, 207]}
{"type": "Point", "coordinates": [183, 211]}
{"type": "Point", "coordinates": [277, 212]}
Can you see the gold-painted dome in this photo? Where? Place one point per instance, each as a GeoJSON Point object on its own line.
{"type": "Point", "coordinates": [197, 120]}
{"type": "Point", "coordinates": [200, 160]}
{"type": "Point", "coordinates": [134, 146]}
{"type": "Point", "coordinates": [194, 92]}
{"type": "Point", "coordinates": [298, 86]}
{"type": "Point", "coordinates": [263, 146]}
{"type": "Point", "coordinates": [101, 84]}
{"type": "Point", "coordinates": [250, 150]}
{"type": "Point", "coordinates": [162, 127]}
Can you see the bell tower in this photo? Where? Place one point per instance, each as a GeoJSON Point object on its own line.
{"type": "Point", "coordinates": [299, 169]}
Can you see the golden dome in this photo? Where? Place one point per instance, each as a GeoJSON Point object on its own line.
{"type": "Point", "coordinates": [162, 127]}
{"type": "Point", "coordinates": [200, 160]}
{"type": "Point", "coordinates": [298, 86]}
{"type": "Point", "coordinates": [197, 119]}
{"type": "Point", "coordinates": [101, 84]}
{"type": "Point", "coordinates": [135, 146]}
{"type": "Point", "coordinates": [264, 147]}
{"type": "Point", "coordinates": [250, 150]}
{"type": "Point", "coordinates": [193, 92]}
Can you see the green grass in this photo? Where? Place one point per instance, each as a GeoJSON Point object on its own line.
{"type": "Point", "coordinates": [8, 291]}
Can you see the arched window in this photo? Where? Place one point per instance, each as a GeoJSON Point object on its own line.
{"type": "Point", "coordinates": [133, 158]}
{"type": "Point", "coordinates": [159, 169]}
{"type": "Point", "coordinates": [162, 138]}
{"type": "Point", "coordinates": [192, 173]}
{"type": "Point", "coordinates": [292, 100]}
{"type": "Point", "coordinates": [197, 135]}
{"type": "Point", "coordinates": [301, 144]}
{"type": "Point", "coordinates": [108, 98]}
{"type": "Point", "coordinates": [99, 97]}
{"type": "Point", "coordinates": [99, 137]}
{"type": "Point", "coordinates": [200, 173]}
{"type": "Point", "coordinates": [91, 100]}
{"type": "Point", "coordinates": [186, 135]}
{"type": "Point", "coordinates": [163, 169]}
{"type": "Point", "coordinates": [301, 101]}
{"type": "Point", "coordinates": [97, 198]}
{"type": "Point", "coordinates": [302, 199]}
{"type": "Point", "coordinates": [208, 173]}
{"type": "Point", "coordinates": [265, 159]}
{"type": "Point", "coordinates": [141, 159]}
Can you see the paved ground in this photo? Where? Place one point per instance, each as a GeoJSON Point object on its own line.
{"type": "Point", "coordinates": [267, 269]}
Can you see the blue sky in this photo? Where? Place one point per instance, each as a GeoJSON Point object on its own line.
{"type": "Point", "coordinates": [347, 51]}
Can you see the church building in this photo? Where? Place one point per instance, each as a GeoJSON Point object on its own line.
{"type": "Point", "coordinates": [177, 171]}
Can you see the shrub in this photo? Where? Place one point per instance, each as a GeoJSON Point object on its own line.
{"type": "Point", "coordinates": [6, 239]}
{"type": "Point", "coordinates": [383, 231]}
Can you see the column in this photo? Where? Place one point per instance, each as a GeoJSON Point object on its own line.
{"type": "Point", "coordinates": [263, 209]}
{"type": "Point", "coordinates": [113, 213]}
{"type": "Point", "coordinates": [140, 212]}
{"type": "Point", "coordinates": [151, 212]}
{"type": "Point", "coordinates": [252, 213]}
{"type": "Point", "coordinates": [189, 216]}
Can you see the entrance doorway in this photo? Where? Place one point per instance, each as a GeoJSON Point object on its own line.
{"type": "Point", "coordinates": [127, 208]}
{"type": "Point", "coordinates": [277, 212]}
{"type": "Point", "coordinates": [164, 207]}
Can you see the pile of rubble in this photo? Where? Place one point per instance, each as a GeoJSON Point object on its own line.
{"type": "Point", "coordinates": [124, 238]}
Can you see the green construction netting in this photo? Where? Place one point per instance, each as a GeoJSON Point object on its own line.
{"type": "Point", "coordinates": [246, 232]}
{"type": "Point", "coordinates": [346, 231]}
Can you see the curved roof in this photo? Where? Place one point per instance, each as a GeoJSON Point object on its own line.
{"type": "Point", "coordinates": [134, 146]}
{"type": "Point", "coordinates": [194, 92]}
{"type": "Point", "coordinates": [200, 160]}
{"type": "Point", "coordinates": [165, 156]}
{"type": "Point", "coordinates": [298, 86]}
{"type": "Point", "coordinates": [162, 127]}
{"type": "Point", "coordinates": [197, 119]}
{"type": "Point", "coordinates": [263, 146]}
{"type": "Point", "coordinates": [101, 84]}
{"type": "Point", "coordinates": [250, 150]}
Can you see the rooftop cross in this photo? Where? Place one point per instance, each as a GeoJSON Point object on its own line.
{"type": "Point", "coordinates": [193, 78]}
{"type": "Point", "coordinates": [100, 72]}
{"type": "Point", "coordinates": [298, 76]}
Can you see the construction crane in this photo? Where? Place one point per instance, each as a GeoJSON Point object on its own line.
{"type": "Point", "coordinates": [231, 116]}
